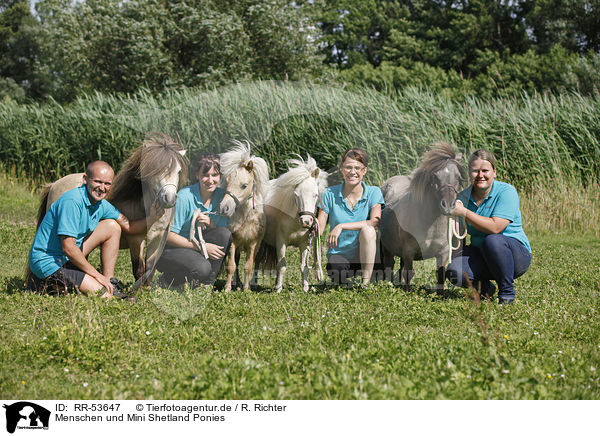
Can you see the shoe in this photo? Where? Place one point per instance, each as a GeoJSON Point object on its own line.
{"type": "Point", "coordinates": [487, 292]}
{"type": "Point", "coordinates": [504, 301]}
{"type": "Point", "coordinates": [117, 284]}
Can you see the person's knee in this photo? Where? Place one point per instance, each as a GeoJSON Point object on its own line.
{"type": "Point", "coordinates": [111, 226]}
{"type": "Point", "coordinates": [368, 233]}
{"type": "Point", "coordinates": [201, 271]}
{"type": "Point", "coordinates": [494, 242]}
{"type": "Point", "coordinates": [224, 235]}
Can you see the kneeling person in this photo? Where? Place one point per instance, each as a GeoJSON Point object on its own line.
{"type": "Point", "coordinates": [181, 261]}
{"type": "Point", "coordinates": [78, 222]}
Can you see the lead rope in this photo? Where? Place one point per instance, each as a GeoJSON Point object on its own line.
{"type": "Point", "coordinates": [454, 230]}
{"type": "Point", "coordinates": [317, 254]}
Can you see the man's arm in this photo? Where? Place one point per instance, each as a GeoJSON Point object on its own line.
{"type": "Point", "coordinates": [140, 226]}
{"type": "Point", "coordinates": [76, 257]}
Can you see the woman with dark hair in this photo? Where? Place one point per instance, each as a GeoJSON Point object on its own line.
{"type": "Point", "coordinates": [181, 260]}
{"type": "Point", "coordinates": [354, 211]}
{"type": "Point", "coordinates": [499, 248]}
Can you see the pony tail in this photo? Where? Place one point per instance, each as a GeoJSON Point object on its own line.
{"type": "Point", "coordinates": [41, 213]}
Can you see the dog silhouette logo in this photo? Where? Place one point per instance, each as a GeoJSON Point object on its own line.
{"type": "Point", "coordinates": [26, 415]}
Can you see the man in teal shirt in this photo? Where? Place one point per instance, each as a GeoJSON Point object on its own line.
{"type": "Point", "coordinates": [78, 222]}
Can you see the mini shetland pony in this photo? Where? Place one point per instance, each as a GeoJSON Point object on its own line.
{"type": "Point", "coordinates": [290, 207]}
{"type": "Point", "coordinates": [245, 179]}
{"type": "Point", "coordinates": [414, 224]}
{"type": "Point", "coordinates": [151, 174]}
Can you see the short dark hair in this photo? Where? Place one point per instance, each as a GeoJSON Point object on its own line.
{"type": "Point", "coordinates": [205, 163]}
{"type": "Point", "coordinates": [356, 154]}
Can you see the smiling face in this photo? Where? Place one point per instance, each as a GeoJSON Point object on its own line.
{"type": "Point", "coordinates": [98, 181]}
{"type": "Point", "coordinates": [353, 171]}
{"type": "Point", "coordinates": [482, 174]}
{"type": "Point", "coordinates": [208, 180]}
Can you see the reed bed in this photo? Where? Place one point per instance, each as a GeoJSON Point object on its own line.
{"type": "Point", "coordinates": [548, 146]}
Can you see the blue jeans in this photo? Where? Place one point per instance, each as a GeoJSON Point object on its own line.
{"type": "Point", "coordinates": [500, 258]}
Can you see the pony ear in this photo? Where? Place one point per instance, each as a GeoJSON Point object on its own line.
{"type": "Point", "coordinates": [182, 152]}
{"type": "Point", "coordinates": [315, 173]}
{"type": "Point", "coordinates": [249, 166]}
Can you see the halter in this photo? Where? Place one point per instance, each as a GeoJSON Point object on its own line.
{"type": "Point", "coordinates": [162, 188]}
{"type": "Point", "coordinates": [237, 200]}
{"type": "Point", "coordinates": [448, 186]}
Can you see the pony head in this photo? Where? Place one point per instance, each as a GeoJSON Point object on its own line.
{"type": "Point", "coordinates": [245, 178]}
{"type": "Point", "coordinates": [297, 192]}
{"type": "Point", "coordinates": [439, 177]}
{"type": "Point", "coordinates": [161, 165]}
{"type": "Point", "coordinates": [153, 170]}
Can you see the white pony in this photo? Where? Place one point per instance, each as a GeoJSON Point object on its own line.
{"type": "Point", "coordinates": [245, 179]}
{"type": "Point", "coordinates": [290, 207]}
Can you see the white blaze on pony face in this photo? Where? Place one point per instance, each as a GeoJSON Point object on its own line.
{"type": "Point", "coordinates": [306, 195]}
{"type": "Point", "coordinates": [447, 184]}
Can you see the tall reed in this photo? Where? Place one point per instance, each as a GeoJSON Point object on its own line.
{"type": "Point", "coordinates": [541, 141]}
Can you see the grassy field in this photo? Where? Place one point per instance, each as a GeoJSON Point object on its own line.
{"type": "Point", "coordinates": [379, 343]}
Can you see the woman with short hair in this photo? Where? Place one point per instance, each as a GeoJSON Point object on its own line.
{"type": "Point", "coordinates": [499, 248]}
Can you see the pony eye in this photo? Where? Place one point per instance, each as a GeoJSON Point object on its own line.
{"type": "Point", "coordinates": [244, 186]}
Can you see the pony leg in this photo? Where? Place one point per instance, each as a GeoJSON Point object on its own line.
{"type": "Point", "coordinates": [387, 259]}
{"type": "Point", "coordinates": [406, 273]}
{"type": "Point", "coordinates": [231, 268]}
{"type": "Point", "coordinates": [305, 267]}
{"type": "Point", "coordinates": [249, 267]}
{"type": "Point", "coordinates": [281, 266]}
{"type": "Point", "coordinates": [136, 251]}
{"type": "Point", "coordinates": [440, 273]}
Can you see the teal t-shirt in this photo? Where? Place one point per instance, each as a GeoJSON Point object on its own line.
{"type": "Point", "coordinates": [188, 200]}
{"type": "Point", "coordinates": [333, 202]}
{"type": "Point", "coordinates": [71, 215]}
{"type": "Point", "coordinates": [501, 202]}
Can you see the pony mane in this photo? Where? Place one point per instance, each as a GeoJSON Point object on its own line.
{"type": "Point", "coordinates": [157, 153]}
{"type": "Point", "coordinates": [240, 156]}
{"type": "Point", "coordinates": [283, 187]}
{"type": "Point", "coordinates": [433, 160]}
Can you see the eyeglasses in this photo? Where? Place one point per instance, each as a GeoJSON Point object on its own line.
{"type": "Point", "coordinates": [350, 168]}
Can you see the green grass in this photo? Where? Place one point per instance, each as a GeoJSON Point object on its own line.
{"type": "Point", "coordinates": [380, 343]}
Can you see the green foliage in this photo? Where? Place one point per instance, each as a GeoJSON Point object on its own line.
{"type": "Point", "coordinates": [114, 46]}
{"type": "Point", "coordinates": [21, 76]}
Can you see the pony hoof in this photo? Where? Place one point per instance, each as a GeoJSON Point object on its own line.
{"type": "Point", "coordinates": [279, 289]}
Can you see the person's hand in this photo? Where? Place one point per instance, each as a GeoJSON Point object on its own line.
{"type": "Point", "coordinates": [459, 209]}
{"type": "Point", "coordinates": [203, 219]}
{"type": "Point", "coordinates": [332, 238]}
{"type": "Point", "coordinates": [214, 251]}
{"type": "Point", "coordinates": [106, 284]}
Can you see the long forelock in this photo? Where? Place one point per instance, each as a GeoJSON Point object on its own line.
{"type": "Point", "coordinates": [239, 156]}
{"type": "Point", "coordinates": [433, 161]}
{"type": "Point", "coordinates": [146, 162]}
{"type": "Point", "coordinates": [283, 187]}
